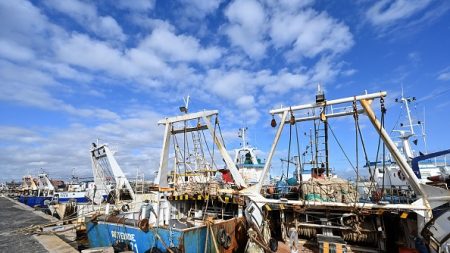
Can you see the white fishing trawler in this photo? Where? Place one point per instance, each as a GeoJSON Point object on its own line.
{"type": "Point", "coordinates": [247, 161]}
{"type": "Point", "coordinates": [430, 168]}
{"type": "Point", "coordinates": [327, 212]}
{"type": "Point", "coordinates": [194, 209]}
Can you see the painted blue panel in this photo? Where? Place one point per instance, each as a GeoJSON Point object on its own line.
{"type": "Point", "coordinates": [105, 234]}
{"type": "Point", "coordinates": [79, 200]}
{"type": "Point", "coordinates": [34, 200]}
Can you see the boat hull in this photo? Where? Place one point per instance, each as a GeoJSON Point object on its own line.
{"type": "Point", "coordinates": [34, 201]}
{"type": "Point", "coordinates": [103, 234]}
{"type": "Point", "coordinates": [64, 197]}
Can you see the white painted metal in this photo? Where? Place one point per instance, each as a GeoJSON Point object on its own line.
{"type": "Point", "coordinates": [257, 187]}
{"type": "Point", "coordinates": [238, 180]}
{"type": "Point", "coordinates": [161, 178]}
{"type": "Point", "coordinates": [189, 116]}
{"type": "Point", "coordinates": [329, 102]}
{"type": "Point", "coordinates": [98, 154]}
{"type": "Point", "coordinates": [121, 179]}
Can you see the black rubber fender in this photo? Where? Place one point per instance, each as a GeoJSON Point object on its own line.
{"type": "Point", "coordinates": [222, 236]}
{"type": "Point", "coordinates": [175, 250]}
{"type": "Point", "coordinates": [154, 250]}
{"type": "Point", "coordinates": [227, 243]}
{"type": "Point", "coordinates": [273, 244]}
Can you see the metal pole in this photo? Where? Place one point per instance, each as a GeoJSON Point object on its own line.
{"type": "Point", "coordinates": [258, 186]}
{"type": "Point", "coordinates": [329, 102]}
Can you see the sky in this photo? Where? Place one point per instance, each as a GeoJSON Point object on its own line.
{"type": "Point", "coordinates": [75, 71]}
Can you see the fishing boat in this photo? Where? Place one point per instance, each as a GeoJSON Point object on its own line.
{"type": "Point", "coordinates": [109, 187]}
{"type": "Point", "coordinates": [430, 168]}
{"type": "Point", "coordinates": [32, 193]}
{"type": "Point", "coordinates": [193, 209]}
{"type": "Point", "coordinates": [326, 211]}
{"type": "Point", "coordinates": [249, 164]}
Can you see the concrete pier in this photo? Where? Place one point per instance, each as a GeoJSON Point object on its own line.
{"type": "Point", "coordinates": [14, 216]}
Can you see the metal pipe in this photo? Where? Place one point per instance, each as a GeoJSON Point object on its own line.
{"type": "Point", "coordinates": [329, 102]}
{"type": "Point", "coordinates": [331, 115]}
{"type": "Point", "coordinates": [258, 186]}
{"type": "Point", "coordinates": [187, 117]}
{"type": "Point", "coordinates": [336, 205]}
{"type": "Point", "coordinates": [313, 225]}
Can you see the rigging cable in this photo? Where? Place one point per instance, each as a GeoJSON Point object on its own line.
{"type": "Point", "coordinates": [300, 168]}
{"type": "Point", "coordinates": [340, 146]}
{"type": "Point", "coordinates": [184, 152]}
{"type": "Point", "coordinates": [355, 116]}
{"type": "Point", "coordinates": [292, 120]}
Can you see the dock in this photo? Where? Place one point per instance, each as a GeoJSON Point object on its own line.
{"type": "Point", "coordinates": [15, 216]}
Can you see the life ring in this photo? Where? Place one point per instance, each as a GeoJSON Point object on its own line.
{"type": "Point", "coordinates": [125, 208]}
{"type": "Point", "coordinates": [401, 175]}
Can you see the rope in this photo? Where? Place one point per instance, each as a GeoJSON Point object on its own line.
{"type": "Point", "coordinates": [253, 236]}
{"type": "Point", "coordinates": [209, 223]}
{"type": "Point", "coordinates": [340, 146]}
{"type": "Point", "coordinates": [289, 150]}
{"type": "Point", "coordinates": [209, 151]}
{"type": "Point", "coordinates": [298, 153]}
{"type": "Point", "coordinates": [355, 116]}
{"type": "Point", "coordinates": [214, 137]}
{"type": "Point", "coordinates": [184, 151]}
{"type": "Point", "coordinates": [162, 241]}
{"type": "Point", "coordinates": [220, 131]}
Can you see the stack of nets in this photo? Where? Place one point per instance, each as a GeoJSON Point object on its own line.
{"type": "Point", "coordinates": [329, 190]}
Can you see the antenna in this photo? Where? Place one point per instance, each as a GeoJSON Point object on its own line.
{"type": "Point", "coordinates": [241, 134]}
{"type": "Point", "coordinates": [406, 101]}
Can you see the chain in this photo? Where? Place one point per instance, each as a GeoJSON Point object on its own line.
{"type": "Point", "coordinates": [355, 110]}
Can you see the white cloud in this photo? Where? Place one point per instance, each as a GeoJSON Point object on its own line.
{"type": "Point", "coordinates": [246, 101]}
{"type": "Point", "coordinates": [28, 86]}
{"type": "Point", "coordinates": [24, 25]}
{"type": "Point", "coordinates": [286, 81]}
{"type": "Point", "coordinates": [290, 6]}
{"type": "Point", "coordinates": [324, 71]}
{"type": "Point", "coordinates": [57, 64]}
{"type": "Point", "coordinates": [200, 8]}
{"type": "Point", "coordinates": [17, 134]}
{"type": "Point", "coordinates": [15, 52]}
{"type": "Point", "coordinates": [228, 85]}
{"type": "Point", "coordinates": [444, 76]}
{"type": "Point", "coordinates": [349, 72]}
{"type": "Point", "coordinates": [86, 15]}
{"type": "Point", "coordinates": [85, 52]}
{"type": "Point", "coordinates": [179, 47]}
{"type": "Point", "coordinates": [247, 25]}
{"type": "Point", "coordinates": [136, 5]}
{"type": "Point", "coordinates": [387, 12]}
{"type": "Point", "coordinates": [310, 33]}
{"type": "Point", "coordinates": [57, 150]}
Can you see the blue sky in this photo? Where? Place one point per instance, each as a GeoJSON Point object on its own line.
{"type": "Point", "coordinates": [74, 71]}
